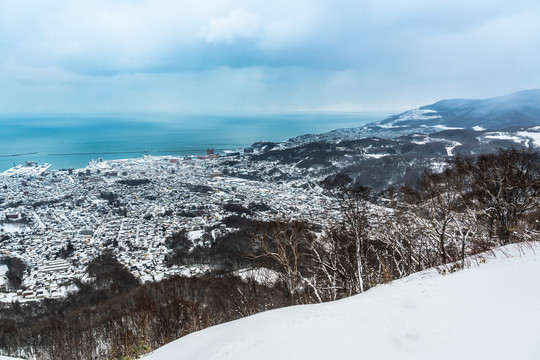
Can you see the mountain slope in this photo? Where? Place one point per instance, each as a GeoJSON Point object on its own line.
{"type": "Point", "coordinates": [380, 163]}
{"type": "Point", "coordinates": [488, 311]}
{"type": "Point", "coordinates": [518, 109]}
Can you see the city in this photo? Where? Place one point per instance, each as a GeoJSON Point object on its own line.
{"type": "Point", "coordinates": [57, 221]}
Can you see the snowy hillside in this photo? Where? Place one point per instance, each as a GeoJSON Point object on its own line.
{"type": "Point", "coordinates": [489, 311]}
{"type": "Point", "coordinates": [518, 109]}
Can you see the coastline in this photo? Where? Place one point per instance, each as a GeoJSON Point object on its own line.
{"type": "Point", "coordinates": [71, 141]}
{"type": "Point", "coordinates": [34, 169]}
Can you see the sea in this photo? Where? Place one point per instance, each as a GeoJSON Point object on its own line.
{"type": "Point", "coordinates": [71, 141]}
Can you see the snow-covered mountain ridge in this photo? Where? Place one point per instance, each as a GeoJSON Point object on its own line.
{"type": "Point", "coordinates": [487, 311]}
{"type": "Point", "coordinates": [379, 162]}
{"type": "Point", "coordinates": [519, 109]}
{"type": "Point", "coordinates": [397, 150]}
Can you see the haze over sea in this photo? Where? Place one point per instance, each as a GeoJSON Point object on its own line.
{"type": "Point", "coordinates": [70, 141]}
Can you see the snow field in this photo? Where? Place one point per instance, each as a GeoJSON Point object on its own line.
{"type": "Point", "coordinates": [489, 311]}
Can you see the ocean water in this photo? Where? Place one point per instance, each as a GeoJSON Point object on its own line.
{"type": "Point", "coordinates": [72, 140]}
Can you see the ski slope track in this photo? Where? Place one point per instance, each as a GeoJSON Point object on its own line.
{"type": "Point", "coordinates": [490, 310]}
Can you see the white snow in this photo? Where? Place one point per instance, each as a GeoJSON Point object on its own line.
{"type": "Point", "coordinates": [26, 170]}
{"type": "Point", "coordinates": [260, 275]}
{"type": "Point", "coordinates": [8, 358]}
{"type": "Point", "coordinates": [426, 139]}
{"type": "Point", "coordinates": [444, 127]}
{"type": "Point", "coordinates": [438, 166]}
{"type": "Point", "coordinates": [11, 228]}
{"type": "Point", "coordinates": [195, 234]}
{"type": "Point", "coordinates": [450, 149]}
{"type": "Point", "coordinates": [487, 311]}
{"type": "Point", "coordinates": [503, 136]}
{"type": "Point", "coordinates": [534, 136]}
{"type": "Point", "coordinates": [388, 126]}
{"type": "Point", "coordinates": [375, 156]}
{"type": "Point", "coordinates": [3, 271]}
{"type": "Point", "coordinates": [522, 137]}
{"type": "Point", "coordinates": [418, 115]}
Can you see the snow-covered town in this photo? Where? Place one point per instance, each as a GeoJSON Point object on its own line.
{"type": "Point", "coordinates": [57, 221]}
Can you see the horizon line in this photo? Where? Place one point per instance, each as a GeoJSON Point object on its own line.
{"type": "Point", "coordinates": [212, 114]}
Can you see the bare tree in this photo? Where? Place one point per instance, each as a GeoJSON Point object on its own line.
{"type": "Point", "coordinates": [506, 185]}
{"type": "Point", "coordinates": [404, 238]}
{"type": "Point", "coordinates": [15, 273]}
{"type": "Point", "coordinates": [288, 245]}
{"type": "Point", "coordinates": [352, 199]}
{"type": "Point", "coordinates": [334, 259]}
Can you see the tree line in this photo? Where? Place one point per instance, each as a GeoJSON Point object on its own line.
{"type": "Point", "coordinates": [473, 205]}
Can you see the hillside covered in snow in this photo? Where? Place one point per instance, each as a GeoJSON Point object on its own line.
{"type": "Point", "coordinates": [517, 109]}
{"type": "Point", "coordinates": [397, 150]}
{"type": "Point", "coordinates": [487, 311]}
{"type": "Point", "coordinates": [513, 112]}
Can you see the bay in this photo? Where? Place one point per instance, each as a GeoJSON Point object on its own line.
{"type": "Point", "coordinates": [72, 140]}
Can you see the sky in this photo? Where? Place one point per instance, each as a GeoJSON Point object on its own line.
{"type": "Point", "coordinates": [251, 56]}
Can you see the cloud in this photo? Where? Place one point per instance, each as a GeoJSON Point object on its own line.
{"type": "Point", "coordinates": [267, 55]}
{"type": "Point", "coordinates": [238, 24]}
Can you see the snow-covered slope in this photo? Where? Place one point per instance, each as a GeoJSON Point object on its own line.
{"type": "Point", "coordinates": [490, 311]}
{"type": "Point", "coordinates": [517, 109]}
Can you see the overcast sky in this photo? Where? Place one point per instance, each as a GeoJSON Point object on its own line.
{"type": "Point", "coordinates": [271, 56]}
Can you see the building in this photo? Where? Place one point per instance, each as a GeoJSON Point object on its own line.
{"type": "Point", "coordinates": [14, 216]}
